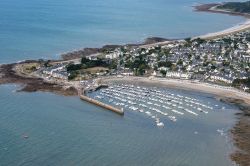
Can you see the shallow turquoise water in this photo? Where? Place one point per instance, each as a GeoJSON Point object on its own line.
{"type": "Point", "coordinates": [44, 28]}
{"type": "Point", "coordinates": [67, 131]}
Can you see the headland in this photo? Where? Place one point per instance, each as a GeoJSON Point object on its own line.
{"type": "Point", "coordinates": [190, 64]}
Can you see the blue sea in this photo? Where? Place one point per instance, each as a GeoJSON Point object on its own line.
{"type": "Point", "coordinates": [66, 131]}
{"type": "Point", "coordinates": [34, 29]}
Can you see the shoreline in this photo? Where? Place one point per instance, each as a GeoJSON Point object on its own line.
{"type": "Point", "coordinates": [232, 30]}
{"type": "Point", "coordinates": [211, 8]}
{"type": "Point", "coordinates": [155, 41]}
{"type": "Point", "coordinates": [240, 133]}
{"type": "Point", "coordinates": [8, 75]}
{"type": "Point", "coordinates": [241, 130]}
{"type": "Point", "coordinates": [71, 55]}
{"type": "Point", "coordinates": [219, 91]}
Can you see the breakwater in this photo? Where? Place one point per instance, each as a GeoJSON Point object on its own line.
{"type": "Point", "coordinates": [98, 103]}
{"type": "Point", "coordinates": [95, 88]}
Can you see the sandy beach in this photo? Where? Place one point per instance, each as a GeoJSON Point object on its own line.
{"type": "Point", "coordinates": [220, 91]}
{"type": "Point", "coordinates": [238, 28]}
{"type": "Point", "coordinates": [212, 8]}
{"type": "Point", "coordinates": [213, 35]}
{"type": "Point", "coordinates": [156, 41]}
{"type": "Point", "coordinates": [240, 132]}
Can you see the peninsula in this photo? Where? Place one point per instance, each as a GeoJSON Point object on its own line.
{"type": "Point", "coordinates": [232, 8]}
{"type": "Point", "coordinates": [216, 63]}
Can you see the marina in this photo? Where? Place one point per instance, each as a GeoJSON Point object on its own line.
{"type": "Point", "coordinates": [115, 84]}
{"type": "Point", "coordinates": [87, 131]}
{"type": "Point", "coordinates": [157, 104]}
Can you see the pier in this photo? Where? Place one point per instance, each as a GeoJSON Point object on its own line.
{"type": "Point", "coordinates": [100, 104]}
{"type": "Point", "coordinates": [95, 88]}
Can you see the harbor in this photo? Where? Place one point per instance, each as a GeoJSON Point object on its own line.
{"type": "Point", "coordinates": [115, 84]}
{"type": "Point", "coordinates": [92, 87]}
{"type": "Point", "coordinates": [88, 131]}
{"type": "Point", "coordinates": [157, 104]}
{"type": "Point", "coordinates": [105, 106]}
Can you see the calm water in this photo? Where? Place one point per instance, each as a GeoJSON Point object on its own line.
{"type": "Point", "coordinates": [66, 131]}
{"type": "Point", "coordinates": [31, 29]}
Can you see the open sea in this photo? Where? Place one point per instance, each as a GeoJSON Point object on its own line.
{"type": "Point", "coordinates": [34, 29]}
{"type": "Point", "coordinates": [66, 131]}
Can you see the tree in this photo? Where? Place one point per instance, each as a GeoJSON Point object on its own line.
{"type": "Point", "coordinates": [188, 39]}
{"type": "Point", "coordinates": [163, 72]}
{"type": "Point", "coordinates": [86, 63]}
{"type": "Point", "coordinates": [199, 41]}
{"type": "Point", "coordinates": [237, 82]}
{"type": "Point", "coordinates": [165, 64]}
{"type": "Point", "coordinates": [84, 60]}
{"type": "Point", "coordinates": [113, 65]}
{"type": "Point", "coordinates": [190, 56]}
{"type": "Point", "coordinates": [197, 57]}
{"type": "Point", "coordinates": [73, 67]}
{"type": "Point", "coordinates": [142, 69]}
{"type": "Point", "coordinates": [213, 67]}
{"type": "Point", "coordinates": [72, 75]}
{"type": "Point", "coordinates": [47, 63]}
{"type": "Point", "coordinates": [188, 42]}
{"type": "Point", "coordinates": [180, 62]}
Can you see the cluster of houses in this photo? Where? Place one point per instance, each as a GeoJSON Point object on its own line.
{"type": "Point", "coordinates": [219, 60]}
{"type": "Point", "coordinates": [57, 71]}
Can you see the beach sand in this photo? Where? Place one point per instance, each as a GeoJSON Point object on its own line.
{"type": "Point", "coordinates": [235, 29]}
{"type": "Point", "coordinates": [212, 8]}
{"type": "Point", "coordinates": [214, 35]}
{"type": "Point", "coordinates": [219, 91]}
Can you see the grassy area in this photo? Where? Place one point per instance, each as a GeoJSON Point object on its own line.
{"type": "Point", "coordinates": [239, 7]}
{"type": "Point", "coordinates": [94, 70]}
{"type": "Point", "coordinates": [83, 74]}
{"type": "Point", "coordinates": [28, 68]}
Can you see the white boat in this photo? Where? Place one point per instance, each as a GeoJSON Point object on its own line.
{"type": "Point", "coordinates": [172, 118]}
{"type": "Point", "coordinates": [191, 112]}
{"type": "Point", "coordinates": [160, 124]}
{"type": "Point", "coordinates": [178, 112]}
{"type": "Point", "coordinates": [148, 113]}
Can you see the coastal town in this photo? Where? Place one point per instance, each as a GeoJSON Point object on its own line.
{"type": "Point", "coordinates": [223, 61]}
{"type": "Point", "coordinates": [175, 97]}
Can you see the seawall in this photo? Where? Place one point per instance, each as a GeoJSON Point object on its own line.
{"type": "Point", "coordinates": [100, 104]}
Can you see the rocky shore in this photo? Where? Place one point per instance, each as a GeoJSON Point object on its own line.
{"type": "Point", "coordinates": [89, 51]}
{"type": "Point", "coordinates": [8, 75]}
{"type": "Point", "coordinates": [241, 132]}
